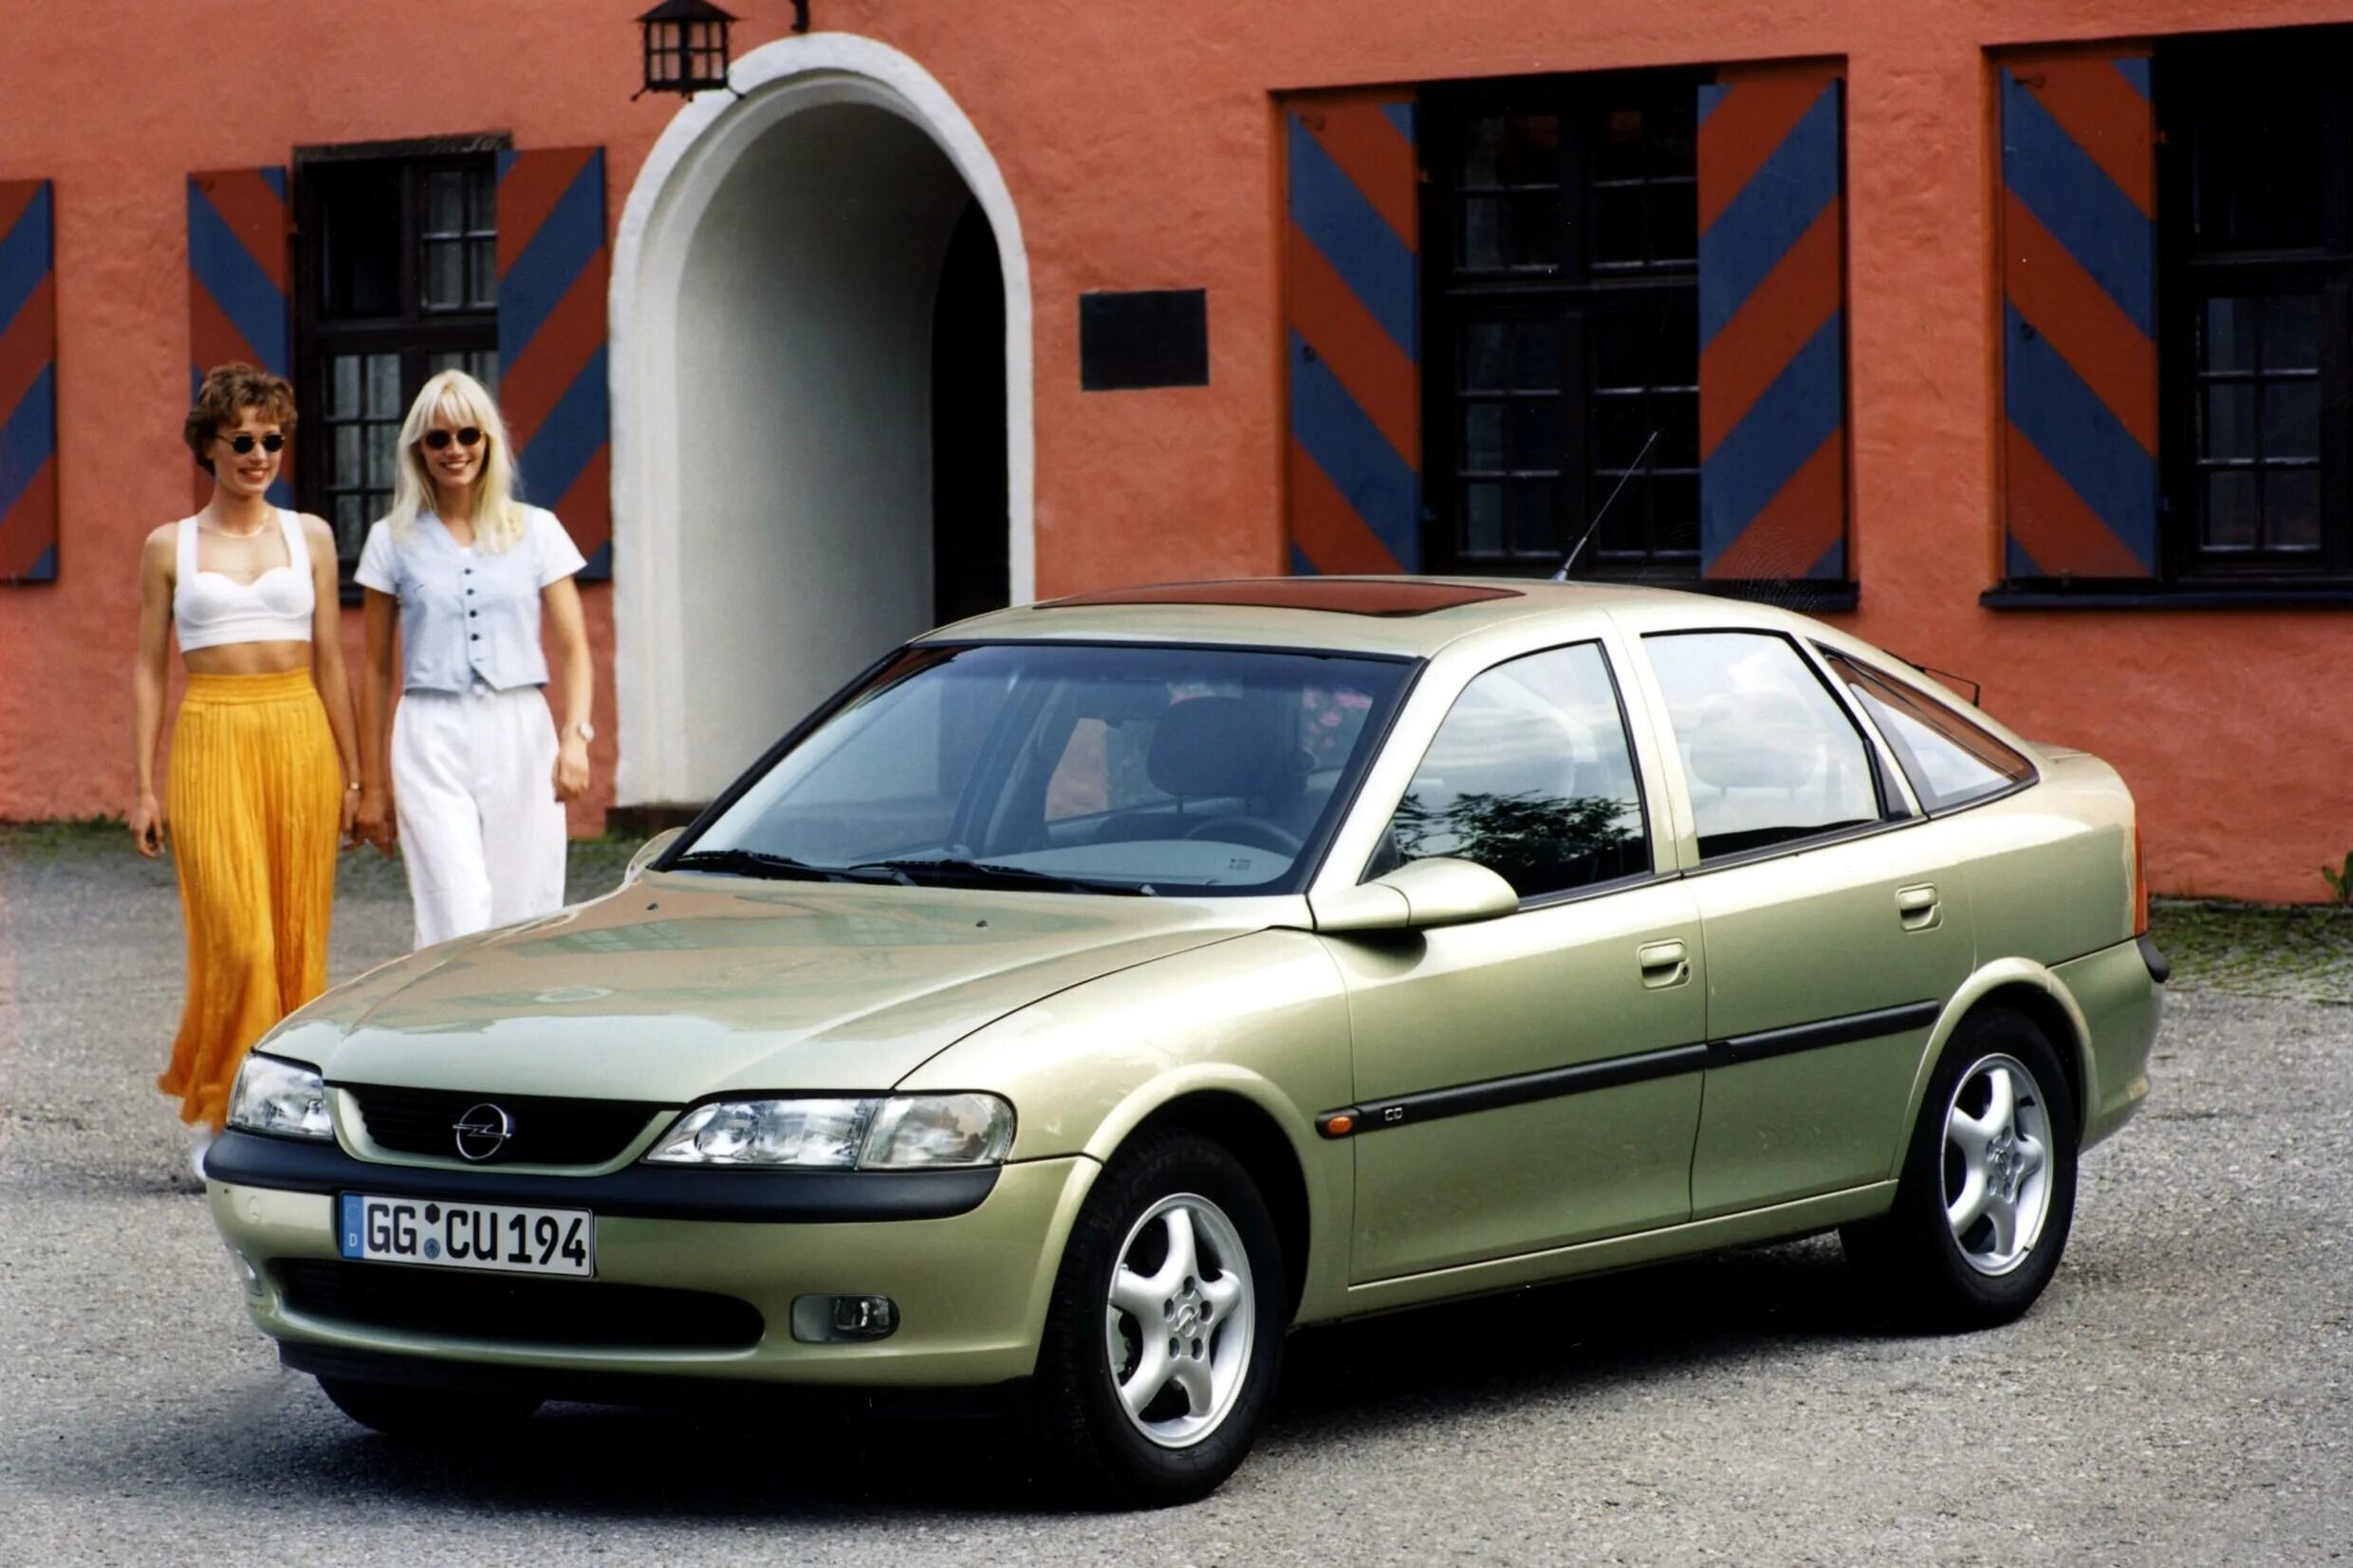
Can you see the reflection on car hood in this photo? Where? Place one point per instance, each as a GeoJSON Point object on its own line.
{"type": "Point", "coordinates": [682, 986]}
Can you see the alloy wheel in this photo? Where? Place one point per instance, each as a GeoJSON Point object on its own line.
{"type": "Point", "coordinates": [1180, 1321]}
{"type": "Point", "coordinates": [1997, 1164]}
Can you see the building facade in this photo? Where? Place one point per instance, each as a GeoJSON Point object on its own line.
{"type": "Point", "coordinates": [2016, 339]}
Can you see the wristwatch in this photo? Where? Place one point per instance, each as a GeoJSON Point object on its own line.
{"type": "Point", "coordinates": [585, 730]}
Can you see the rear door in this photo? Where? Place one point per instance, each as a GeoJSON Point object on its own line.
{"type": "Point", "coordinates": [1835, 919]}
{"type": "Point", "coordinates": [1533, 1081]}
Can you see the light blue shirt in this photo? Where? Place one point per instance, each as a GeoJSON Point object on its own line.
{"type": "Point", "coordinates": [469, 614]}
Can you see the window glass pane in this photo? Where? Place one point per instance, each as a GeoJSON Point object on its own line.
{"type": "Point", "coordinates": [481, 201]}
{"type": "Point", "coordinates": [345, 375]}
{"type": "Point", "coordinates": [351, 522]}
{"type": "Point", "coordinates": [1482, 357]}
{"type": "Point", "coordinates": [2259, 141]}
{"type": "Point", "coordinates": [2291, 414]}
{"type": "Point", "coordinates": [1536, 527]}
{"type": "Point", "coordinates": [384, 386]}
{"type": "Point", "coordinates": [2230, 333]}
{"type": "Point", "coordinates": [1674, 515]}
{"type": "Point", "coordinates": [1535, 434]}
{"type": "Point", "coordinates": [381, 441]}
{"type": "Point", "coordinates": [347, 461]}
{"type": "Point", "coordinates": [2231, 421]}
{"type": "Point", "coordinates": [2292, 509]}
{"type": "Point", "coordinates": [1949, 760]}
{"type": "Point", "coordinates": [445, 275]}
{"type": "Point", "coordinates": [1675, 223]}
{"type": "Point", "coordinates": [445, 202]}
{"type": "Point", "coordinates": [2231, 520]}
{"type": "Point", "coordinates": [485, 369]}
{"type": "Point", "coordinates": [359, 243]}
{"type": "Point", "coordinates": [1483, 519]}
{"type": "Point", "coordinates": [1511, 149]}
{"type": "Point", "coordinates": [482, 272]}
{"type": "Point", "coordinates": [1618, 146]}
{"type": "Point", "coordinates": [1768, 753]}
{"type": "Point", "coordinates": [1510, 232]}
{"type": "Point", "coordinates": [2292, 332]}
{"type": "Point", "coordinates": [1535, 357]}
{"type": "Point", "coordinates": [1482, 437]}
{"type": "Point", "coordinates": [1616, 358]}
{"type": "Point", "coordinates": [1618, 238]}
{"type": "Point", "coordinates": [1531, 777]}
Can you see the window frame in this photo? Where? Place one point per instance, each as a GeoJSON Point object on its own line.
{"type": "Point", "coordinates": [2187, 278]}
{"type": "Point", "coordinates": [416, 334]}
{"type": "Point", "coordinates": [1829, 657]}
{"type": "Point", "coordinates": [1571, 294]}
{"type": "Point", "coordinates": [1653, 841]}
{"type": "Point", "coordinates": [1898, 808]}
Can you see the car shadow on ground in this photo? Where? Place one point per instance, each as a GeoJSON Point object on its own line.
{"type": "Point", "coordinates": [1371, 1379]}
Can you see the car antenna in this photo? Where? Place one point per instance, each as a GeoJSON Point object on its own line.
{"type": "Point", "coordinates": [1562, 576]}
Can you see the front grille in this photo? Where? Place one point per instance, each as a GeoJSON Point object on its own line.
{"type": "Point", "coordinates": [573, 1313]}
{"type": "Point", "coordinates": [547, 1131]}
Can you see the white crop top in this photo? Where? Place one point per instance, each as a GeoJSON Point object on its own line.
{"type": "Point", "coordinates": [211, 608]}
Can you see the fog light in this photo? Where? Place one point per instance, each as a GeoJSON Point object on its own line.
{"type": "Point", "coordinates": [833, 1320]}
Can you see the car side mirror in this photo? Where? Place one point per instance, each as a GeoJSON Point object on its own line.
{"type": "Point", "coordinates": [648, 853]}
{"type": "Point", "coordinates": [1419, 894]}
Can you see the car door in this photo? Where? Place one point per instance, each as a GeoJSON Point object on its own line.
{"type": "Point", "coordinates": [1532, 1080]}
{"type": "Point", "coordinates": [1835, 921]}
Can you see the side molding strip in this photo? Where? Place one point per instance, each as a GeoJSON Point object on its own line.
{"type": "Point", "coordinates": [1615, 1072]}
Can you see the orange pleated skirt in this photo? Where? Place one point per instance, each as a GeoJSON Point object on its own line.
{"type": "Point", "coordinates": [254, 802]}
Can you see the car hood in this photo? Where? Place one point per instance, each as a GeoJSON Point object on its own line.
{"type": "Point", "coordinates": [682, 986]}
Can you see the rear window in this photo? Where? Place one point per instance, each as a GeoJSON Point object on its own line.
{"type": "Point", "coordinates": [1949, 761]}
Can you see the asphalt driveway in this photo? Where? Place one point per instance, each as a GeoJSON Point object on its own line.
{"type": "Point", "coordinates": [2179, 1395]}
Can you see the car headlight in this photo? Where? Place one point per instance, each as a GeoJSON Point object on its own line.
{"type": "Point", "coordinates": [900, 1133]}
{"type": "Point", "coordinates": [284, 1098]}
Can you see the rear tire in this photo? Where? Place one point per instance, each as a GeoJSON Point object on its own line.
{"type": "Point", "coordinates": [1164, 1335]}
{"type": "Point", "coordinates": [428, 1415]}
{"type": "Point", "coordinates": [1986, 1197]}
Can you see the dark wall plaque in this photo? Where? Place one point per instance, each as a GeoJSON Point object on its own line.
{"type": "Point", "coordinates": [1151, 337]}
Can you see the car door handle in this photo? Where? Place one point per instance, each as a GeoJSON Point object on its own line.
{"type": "Point", "coordinates": [1664, 963]}
{"type": "Point", "coordinates": [1917, 907]}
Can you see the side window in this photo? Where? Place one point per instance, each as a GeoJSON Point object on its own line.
{"type": "Point", "coordinates": [1949, 760]}
{"type": "Point", "coordinates": [1769, 754]}
{"type": "Point", "coordinates": [1531, 777]}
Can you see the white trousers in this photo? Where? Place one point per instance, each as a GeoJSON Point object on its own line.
{"type": "Point", "coordinates": [481, 830]}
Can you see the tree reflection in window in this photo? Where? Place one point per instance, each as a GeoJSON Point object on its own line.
{"type": "Point", "coordinates": [1536, 842]}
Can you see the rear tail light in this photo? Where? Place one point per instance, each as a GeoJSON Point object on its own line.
{"type": "Point", "coordinates": [2141, 883]}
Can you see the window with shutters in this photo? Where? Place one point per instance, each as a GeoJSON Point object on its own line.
{"type": "Point", "coordinates": [2255, 243]}
{"type": "Point", "coordinates": [396, 278]}
{"type": "Point", "coordinates": [1560, 255]}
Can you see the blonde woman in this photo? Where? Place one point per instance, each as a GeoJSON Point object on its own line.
{"type": "Point", "coordinates": [265, 759]}
{"type": "Point", "coordinates": [469, 778]}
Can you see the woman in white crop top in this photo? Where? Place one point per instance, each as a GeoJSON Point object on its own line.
{"type": "Point", "coordinates": [265, 756]}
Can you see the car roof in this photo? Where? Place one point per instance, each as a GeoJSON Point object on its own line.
{"type": "Point", "coordinates": [1408, 616]}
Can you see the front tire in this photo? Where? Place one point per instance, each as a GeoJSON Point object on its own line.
{"type": "Point", "coordinates": [1164, 1336]}
{"type": "Point", "coordinates": [1987, 1196]}
{"type": "Point", "coordinates": [427, 1416]}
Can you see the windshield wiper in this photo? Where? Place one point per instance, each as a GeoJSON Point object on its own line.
{"type": "Point", "coordinates": [984, 874]}
{"type": "Point", "coordinates": [752, 862]}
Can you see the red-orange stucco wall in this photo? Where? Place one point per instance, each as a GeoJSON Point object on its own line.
{"type": "Point", "coordinates": [1139, 143]}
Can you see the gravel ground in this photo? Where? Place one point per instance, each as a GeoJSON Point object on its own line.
{"type": "Point", "coordinates": [2179, 1395]}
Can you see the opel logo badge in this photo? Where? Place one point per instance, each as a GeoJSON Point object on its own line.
{"type": "Point", "coordinates": [482, 1132]}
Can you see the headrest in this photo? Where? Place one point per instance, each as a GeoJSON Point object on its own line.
{"type": "Point", "coordinates": [1219, 746]}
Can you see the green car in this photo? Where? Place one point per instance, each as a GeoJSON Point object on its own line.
{"type": "Point", "coordinates": [1094, 991]}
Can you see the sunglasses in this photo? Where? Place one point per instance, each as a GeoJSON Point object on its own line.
{"type": "Point", "coordinates": [242, 443]}
{"type": "Point", "coordinates": [466, 436]}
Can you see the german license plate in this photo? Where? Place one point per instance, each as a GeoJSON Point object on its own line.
{"type": "Point", "coordinates": [468, 1235]}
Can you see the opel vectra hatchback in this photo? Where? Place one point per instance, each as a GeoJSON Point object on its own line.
{"type": "Point", "coordinates": [1092, 992]}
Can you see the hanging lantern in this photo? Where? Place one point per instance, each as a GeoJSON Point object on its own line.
{"type": "Point", "coordinates": [686, 47]}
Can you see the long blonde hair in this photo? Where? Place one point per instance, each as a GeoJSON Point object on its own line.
{"type": "Point", "coordinates": [500, 518]}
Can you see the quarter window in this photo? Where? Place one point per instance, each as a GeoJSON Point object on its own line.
{"type": "Point", "coordinates": [1949, 760]}
{"type": "Point", "coordinates": [1769, 755]}
{"type": "Point", "coordinates": [1531, 776]}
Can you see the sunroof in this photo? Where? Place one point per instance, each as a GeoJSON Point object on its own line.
{"type": "Point", "coordinates": [1341, 596]}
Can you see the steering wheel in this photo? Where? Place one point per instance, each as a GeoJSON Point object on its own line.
{"type": "Point", "coordinates": [1250, 830]}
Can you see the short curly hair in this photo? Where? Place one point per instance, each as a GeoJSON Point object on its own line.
{"type": "Point", "coordinates": [228, 391]}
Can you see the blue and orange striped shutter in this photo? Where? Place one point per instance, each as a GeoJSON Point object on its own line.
{"type": "Point", "coordinates": [239, 288]}
{"type": "Point", "coordinates": [552, 268]}
{"type": "Point", "coordinates": [28, 383]}
{"type": "Point", "coordinates": [2079, 342]}
{"type": "Point", "coordinates": [1772, 351]}
{"type": "Point", "coordinates": [1352, 464]}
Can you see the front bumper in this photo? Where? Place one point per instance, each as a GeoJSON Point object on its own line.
{"type": "Point", "coordinates": [969, 1262]}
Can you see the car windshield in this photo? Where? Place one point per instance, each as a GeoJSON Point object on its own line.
{"type": "Point", "coordinates": [1067, 767]}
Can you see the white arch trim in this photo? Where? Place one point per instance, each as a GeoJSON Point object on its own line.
{"type": "Point", "coordinates": [667, 204]}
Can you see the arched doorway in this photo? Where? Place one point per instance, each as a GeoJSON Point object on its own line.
{"type": "Point", "coordinates": [820, 374]}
